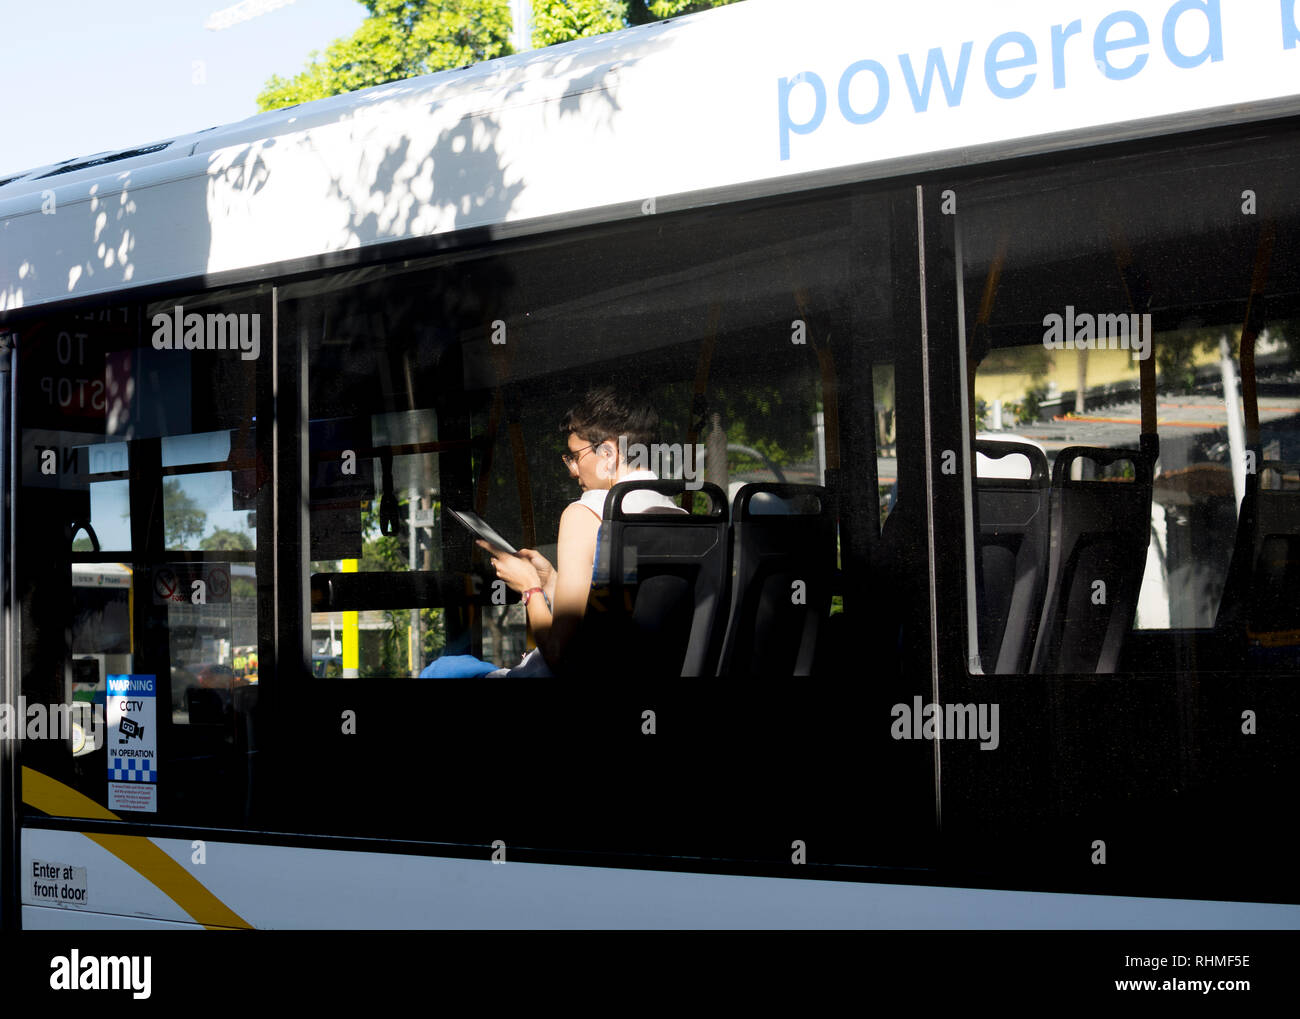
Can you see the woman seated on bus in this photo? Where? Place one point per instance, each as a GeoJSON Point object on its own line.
{"type": "Point", "coordinates": [555, 596]}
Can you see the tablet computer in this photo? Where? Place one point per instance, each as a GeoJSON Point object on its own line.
{"type": "Point", "coordinates": [481, 529]}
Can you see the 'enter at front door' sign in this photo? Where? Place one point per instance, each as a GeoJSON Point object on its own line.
{"type": "Point", "coordinates": [132, 743]}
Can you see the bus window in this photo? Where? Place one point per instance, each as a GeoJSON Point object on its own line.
{"type": "Point", "coordinates": [1143, 264]}
{"type": "Point", "coordinates": [142, 481]}
{"type": "Point", "coordinates": [439, 384]}
{"type": "Point", "coordinates": [766, 340]}
{"type": "Point", "coordinates": [388, 573]}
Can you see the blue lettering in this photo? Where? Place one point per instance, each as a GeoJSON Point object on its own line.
{"type": "Point", "coordinates": [993, 66]}
{"type": "Point", "coordinates": [1213, 46]}
{"type": "Point", "coordinates": [882, 92]}
{"type": "Point", "coordinates": [935, 62]}
{"type": "Point", "coordinates": [1059, 35]}
{"type": "Point", "coordinates": [1101, 46]}
{"type": "Point", "coordinates": [784, 86]}
{"type": "Point", "coordinates": [1290, 30]}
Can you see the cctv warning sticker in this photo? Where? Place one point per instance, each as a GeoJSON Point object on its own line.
{"type": "Point", "coordinates": [132, 743]}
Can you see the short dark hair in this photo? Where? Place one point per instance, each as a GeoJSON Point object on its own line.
{"type": "Point", "coordinates": [607, 413]}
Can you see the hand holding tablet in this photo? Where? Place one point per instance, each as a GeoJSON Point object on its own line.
{"type": "Point", "coordinates": [488, 538]}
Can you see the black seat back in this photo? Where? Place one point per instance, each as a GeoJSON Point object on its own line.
{"type": "Point", "coordinates": [659, 590]}
{"type": "Point", "coordinates": [783, 546]}
{"type": "Point", "coordinates": [1261, 598]}
{"type": "Point", "coordinates": [1098, 545]}
{"type": "Point", "coordinates": [1011, 557]}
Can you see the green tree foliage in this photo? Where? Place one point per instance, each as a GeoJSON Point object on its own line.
{"type": "Point", "coordinates": [403, 38]}
{"type": "Point", "coordinates": [1028, 411]}
{"type": "Point", "coordinates": [223, 538]}
{"type": "Point", "coordinates": [380, 554]}
{"type": "Point", "coordinates": [556, 21]}
{"type": "Point", "coordinates": [183, 521]}
{"type": "Point", "coordinates": [672, 8]}
{"type": "Point", "coordinates": [1176, 354]}
{"type": "Point", "coordinates": [399, 39]}
{"type": "Point", "coordinates": [1287, 333]}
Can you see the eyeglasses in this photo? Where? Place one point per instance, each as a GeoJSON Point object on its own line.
{"type": "Point", "coordinates": [571, 459]}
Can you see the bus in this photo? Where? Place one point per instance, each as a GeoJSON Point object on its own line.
{"type": "Point", "coordinates": [974, 335]}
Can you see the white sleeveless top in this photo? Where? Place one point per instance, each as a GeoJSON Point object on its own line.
{"type": "Point", "coordinates": [634, 502]}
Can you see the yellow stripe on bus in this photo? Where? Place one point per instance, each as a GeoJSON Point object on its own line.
{"type": "Point", "coordinates": [137, 852]}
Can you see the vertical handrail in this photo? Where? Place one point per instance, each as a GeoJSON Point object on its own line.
{"type": "Point", "coordinates": [969, 354]}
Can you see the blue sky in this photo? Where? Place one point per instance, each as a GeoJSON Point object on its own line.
{"type": "Point", "coordinates": [85, 76]}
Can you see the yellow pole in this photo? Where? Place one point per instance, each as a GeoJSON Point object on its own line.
{"type": "Point", "coordinates": [351, 633]}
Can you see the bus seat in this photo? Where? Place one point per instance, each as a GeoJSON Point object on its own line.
{"type": "Point", "coordinates": [782, 534]}
{"type": "Point", "coordinates": [1099, 531]}
{"type": "Point", "coordinates": [1261, 597]}
{"type": "Point", "coordinates": [657, 599]}
{"type": "Point", "coordinates": [1012, 553]}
